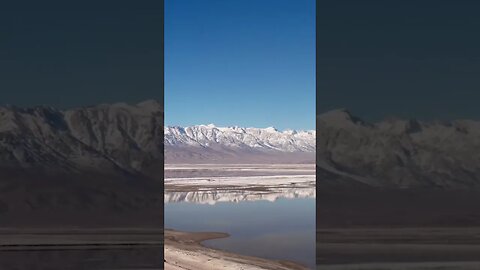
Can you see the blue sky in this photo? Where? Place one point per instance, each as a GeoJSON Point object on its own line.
{"type": "Point", "coordinates": [240, 62]}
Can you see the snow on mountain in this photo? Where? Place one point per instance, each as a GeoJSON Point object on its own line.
{"type": "Point", "coordinates": [123, 139]}
{"type": "Point", "coordinates": [127, 140]}
{"type": "Point", "coordinates": [397, 153]}
{"type": "Point", "coordinates": [211, 144]}
{"type": "Point", "coordinates": [112, 139]}
{"type": "Point", "coordinates": [73, 166]}
{"type": "Point", "coordinates": [241, 138]}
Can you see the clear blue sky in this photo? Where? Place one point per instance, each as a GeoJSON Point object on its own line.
{"type": "Point", "coordinates": [240, 62]}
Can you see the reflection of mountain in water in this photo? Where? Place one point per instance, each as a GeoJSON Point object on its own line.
{"type": "Point", "coordinates": [214, 196]}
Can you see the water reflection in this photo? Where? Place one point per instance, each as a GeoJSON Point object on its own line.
{"type": "Point", "coordinates": [273, 223]}
{"type": "Point", "coordinates": [213, 196]}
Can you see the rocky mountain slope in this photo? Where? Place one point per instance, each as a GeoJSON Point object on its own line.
{"type": "Point", "coordinates": [126, 141]}
{"type": "Point", "coordinates": [105, 139]}
{"type": "Point", "coordinates": [397, 153]}
{"type": "Point", "coordinates": [208, 143]}
{"type": "Point", "coordinates": [90, 166]}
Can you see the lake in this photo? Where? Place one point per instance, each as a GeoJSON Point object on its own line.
{"type": "Point", "coordinates": [273, 225]}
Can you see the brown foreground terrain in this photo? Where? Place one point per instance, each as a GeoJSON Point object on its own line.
{"type": "Point", "coordinates": [399, 245]}
{"type": "Point", "coordinates": [107, 248]}
{"type": "Point", "coordinates": [183, 250]}
{"type": "Point", "coordinates": [398, 230]}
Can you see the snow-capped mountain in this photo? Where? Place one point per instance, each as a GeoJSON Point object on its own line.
{"type": "Point", "coordinates": [236, 137]}
{"type": "Point", "coordinates": [121, 140]}
{"type": "Point", "coordinates": [208, 143]}
{"type": "Point", "coordinates": [69, 167]}
{"type": "Point", "coordinates": [397, 153]}
{"type": "Point", "coordinates": [106, 139]}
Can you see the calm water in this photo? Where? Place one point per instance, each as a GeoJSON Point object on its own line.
{"type": "Point", "coordinates": [283, 229]}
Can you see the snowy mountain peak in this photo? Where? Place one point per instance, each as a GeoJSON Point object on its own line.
{"type": "Point", "coordinates": [271, 129]}
{"type": "Point", "coordinates": [258, 139]}
{"type": "Point", "coordinates": [340, 118]}
{"type": "Point", "coordinates": [119, 138]}
{"type": "Point", "coordinates": [208, 126]}
{"type": "Point", "coordinates": [151, 105]}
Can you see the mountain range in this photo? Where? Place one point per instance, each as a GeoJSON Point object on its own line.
{"type": "Point", "coordinates": [121, 141]}
{"type": "Point", "coordinates": [396, 153]}
{"type": "Point", "coordinates": [100, 165]}
{"type": "Point", "coordinates": [117, 139]}
{"type": "Point", "coordinates": [211, 144]}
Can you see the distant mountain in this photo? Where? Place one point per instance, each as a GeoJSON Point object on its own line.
{"type": "Point", "coordinates": [211, 144]}
{"type": "Point", "coordinates": [396, 153]}
{"type": "Point", "coordinates": [121, 141]}
{"type": "Point", "coordinates": [117, 139]}
{"type": "Point", "coordinates": [92, 166]}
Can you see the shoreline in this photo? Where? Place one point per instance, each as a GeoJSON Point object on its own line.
{"type": "Point", "coordinates": [236, 170]}
{"type": "Point", "coordinates": [78, 239]}
{"type": "Point", "coordinates": [184, 250]}
{"type": "Point", "coordinates": [209, 184]}
{"type": "Point", "coordinates": [412, 248]}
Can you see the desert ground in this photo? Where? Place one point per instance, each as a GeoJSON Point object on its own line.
{"type": "Point", "coordinates": [219, 170]}
{"type": "Point", "coordinates": [184, 177]}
